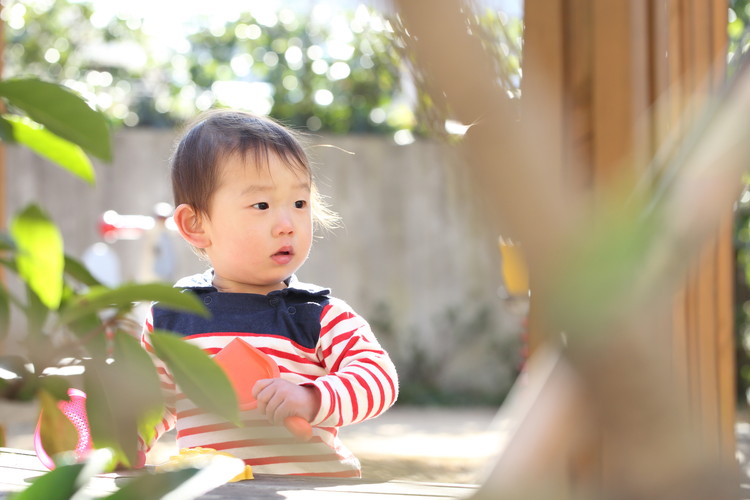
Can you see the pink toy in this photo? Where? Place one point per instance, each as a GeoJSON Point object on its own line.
{"type": "Point", "coordinates": [75, 410]}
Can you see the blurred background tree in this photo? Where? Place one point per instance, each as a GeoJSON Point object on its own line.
{"type": "Point", "coordinates": [330, 73]}
{"type": "Point", "coordinates": [739, 41]}
{"type": "Point", "coordinates": [739, 37]}
{"type": "Point", "coordinates": [314, 68]}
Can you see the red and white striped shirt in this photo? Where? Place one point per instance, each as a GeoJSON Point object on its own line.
{"type": "Point", "coordinates": [316, 340]}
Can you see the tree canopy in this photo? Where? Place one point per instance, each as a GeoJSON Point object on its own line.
{"type": "Point", "coordinates": [318, 69]}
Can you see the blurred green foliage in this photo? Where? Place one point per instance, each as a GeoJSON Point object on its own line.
{"type": "Point", "coordinates": [334, 74]}
{"type": "Point", "coordinates": [61, 328]}
{"type": "Point", "coordinates": [739, 41]}
{"type": "Point", "coordinates": [737, 30]}
{"type": "Point", "coordinates": [500, 35]}
{"type": "Point", "coordinates": [340, 71]}
{"type": "Point", "coordinates": [314, 77]}
{"type": "Point", "coordinates": [742, 293]}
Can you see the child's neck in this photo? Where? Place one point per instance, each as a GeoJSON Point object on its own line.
{"type": "Point", "coordinates": [235, 287]}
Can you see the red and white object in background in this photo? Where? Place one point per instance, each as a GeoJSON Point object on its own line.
{"type": "Point", "coordinates": [114, 226]}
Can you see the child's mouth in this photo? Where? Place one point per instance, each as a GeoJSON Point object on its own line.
{"type": "Point", "coordinates": [284, 255]}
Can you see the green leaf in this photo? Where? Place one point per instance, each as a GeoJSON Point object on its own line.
{"type": "Point", "coordinates": [99, 298]}
{"type": "Point", "coordinates": [6, 131]}
{"type": "Point", "coordinates": [9, 264]}
{"type": "Point", "coordinates": [91, 334]}
{"type": "Point", "coordinates": [75, 269]}
{"type": "Point", "coordinates": [16, 376]}
{"type": "Point", "coordinates": [56, 386]}
{"type": "Point", "coordinates": [602, 269]}
{"type": "Point", "coordinates": [112, 424]}
{"type": "Point", "coordinates": [124, 398]}
{"type": "Point", "coordinates": [57, 432]}
{"type": "Point", "coordinates": [137, 366]}
{"type": "Point", "coordinates": [4, 313]}
{"type": "Point", "coordinates": [56, 149]}
{"type": "Point", "coordinates": [59, 484]}
{"type": "Point", "coordinates": [67, 480]}
{"type": "Point", "coordinates": [40, 258]}
{"type": "Point", "coordinates": [6, 242]}
{"type": "Point", "coordinates": [198, 376]}
{"type": "Point", "coordinates": [36, 317]}
{"type": "Point", "coordinates": [153, 485]}
{"type": "Point", "coordinates": [62, 112]}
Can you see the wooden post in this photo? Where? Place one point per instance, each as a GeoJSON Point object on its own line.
{"type": "Point", "coordinates": [629, 71]}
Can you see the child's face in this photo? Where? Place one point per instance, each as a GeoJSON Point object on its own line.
{"type": "Point", "coordinates": [259, 225]}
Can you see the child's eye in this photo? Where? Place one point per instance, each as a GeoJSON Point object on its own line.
{"type": "Point", "coordinates": [300, 204]}
{"type": "Point", "coordinates": [261, 206]}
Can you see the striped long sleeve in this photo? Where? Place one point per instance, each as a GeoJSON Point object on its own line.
{"type": "Point", "coordinates": [167, 386]}
{"type": "Point", "coordinates": [361, 381]}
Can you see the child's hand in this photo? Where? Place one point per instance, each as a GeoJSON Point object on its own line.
{"type": "Point", "coordinates": [279, 399]}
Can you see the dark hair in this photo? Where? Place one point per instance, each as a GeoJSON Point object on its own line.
{"type": "Point", "coordinates": [222, 133]}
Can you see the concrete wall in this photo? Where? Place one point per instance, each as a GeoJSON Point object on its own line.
{"type": "Point", "coordinates": [411, 256]}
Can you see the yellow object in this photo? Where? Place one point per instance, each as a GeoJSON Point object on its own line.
{"type": "Point", "coordinates": [514, 269]}
{"type": "Point", "coordinates": [246, 474]}
{"type": "Point", "coordinates": [199, 457]}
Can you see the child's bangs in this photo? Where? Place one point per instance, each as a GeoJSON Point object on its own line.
{"type": "Point", "coordinates": [259, 156]}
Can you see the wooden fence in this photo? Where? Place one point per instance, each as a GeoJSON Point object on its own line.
{"type": "Point", "coordinates": [611, 117]}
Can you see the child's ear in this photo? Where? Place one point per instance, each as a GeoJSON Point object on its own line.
{"type": "Point", "coordinates": [190, 224]}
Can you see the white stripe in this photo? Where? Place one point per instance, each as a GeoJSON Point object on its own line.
{"type": "Point", "coordinates": [350, 324]}
{"type": "Point", "coordinates": [345, 410]}
{"type": "Point", "coordinates": [369, 374]}
{"type": "Point", "coordinates": [260, 452]}
{"type": "Point", "coordinates": [211, 341]}
{"type": "Point", "coordinates": [300, 368]}
{"type": "Point", "coordinates": [208, 418]}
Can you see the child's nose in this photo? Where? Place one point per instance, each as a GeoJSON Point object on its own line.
{"type": "Point", "coordinates": [284, 224]}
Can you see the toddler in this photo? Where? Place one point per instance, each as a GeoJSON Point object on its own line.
{"type": "Point", "coordinates": [245, 199]}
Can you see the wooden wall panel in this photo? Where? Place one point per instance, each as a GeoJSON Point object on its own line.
{"type": "Point", "coordinates": [704, 323]}
{"type": "Point", "coordinates": [544, 69]}
{"type": "Point", "coordinates": [725, 339]}
{"type": "Point", "coordinates": [578, 120]}
{"type": "Point", "coordinates": [725, 266]}
{"type": "Point", "coordinates": [632, 71]}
